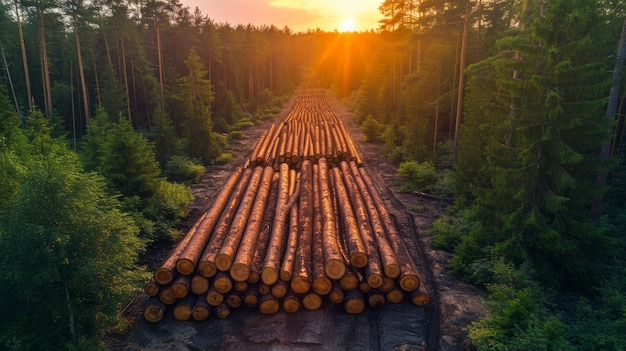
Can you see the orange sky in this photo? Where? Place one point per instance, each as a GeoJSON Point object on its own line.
{"type": "Point", "coordinates": [299, 15]}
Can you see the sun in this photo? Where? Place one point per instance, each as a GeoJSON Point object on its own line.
{"type": "Point", "coordinates": [348, 25]}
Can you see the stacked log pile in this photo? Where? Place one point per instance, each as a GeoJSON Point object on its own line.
{"type": "Point", "coordinates": [299, 223]}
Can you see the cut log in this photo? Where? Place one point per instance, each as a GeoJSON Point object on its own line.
{"type": "Point", "coordinates": [188, 259]}
{"type": "Point", "coordinates": [388, 257]}
{"type": "Point", "coordinates": [266, 229]}
{"type": "Point", "coordinates": [199, 284]}
{"type": "Point", "coordinates": [268, 304]}
{"type": "Point", "coordinates": [286, 269]}
{"type": "Point", "coordinates": [364, 287]}
{"type": "Point", "coordinates": [387, 285]}
{"type": "Point", "coordinates": [301, 280]}
{"type": "Point", "coordinates": [251, 296]}
{"type": "Point", "coordinates": [350, 280]}
{"type": "Point", "coordinates": [280, 289]}
{"type": "Point", "coordinates": [201, 309]}
{"type": "Point", "coordinates": [334, 265]}
{"type": "Point", "coordinates": [278, 237]}
{"type": "Point", "coordinates": [396, 295]}
{"type": "Point", "coordinates": [420, 296]}
{"type": "Point", "coordinates": [166, 295]}
{"type": "Point", "coordinates": [222, 311]}
{"type": "Point", "coordinates": [311, 301]}
{"type": "Point", "coordinates": [184, 308]}
{"type": "Point", "coordinates": [240, 286]}
{"type": "Point", "coordinates": [321, 283]}
{"type": "Point", "coordinates": [291, 302]}
{"type": "Point", "coordinates": [353, 302]}
{"type": "Point", "coordinates": [226, 254]}
{"type": "Point", "coordinates": [375, 298]}
{"type": "Point", "coordinates": [264, 289]}
{"type": "Point", "coordinates": [206, 265]}
{"type": "Point", "coordinates": [213, 297]}
{"type": "Point", "coordinates": [181, 286]}
{"type": "Point", "coordinates": [336, 294]}
{"type": "Point", "coordinates": [151, 288]}
{"type": "Point", "coordinates": [154, 310]}
{"type": "Point", "coordinates": [222, 283]}
{"type": "Point", "coordinates": [240, 269]}
{"type": "Point", "coordinates": [354, 241]}
{"type": "Point", "coordinates": [233, 299]}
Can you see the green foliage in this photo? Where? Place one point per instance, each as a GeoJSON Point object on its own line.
{"type": "Point", "coordinates": [447, 231]}
{"type": "Point", "coordinates": [372, 129]}
{"type": "Point", "coordinates": [224, 158]}
{"type": "Point", "coordinates": [126, 159]}
{"type": "Point", "coordinates": [417, 176]}
{"type": "Point", "coordinates": [183, 170]}
{"type": "Point", "coordinates": [236, 135]}
{"type": "Point", "coordinates": [68, 254]}
{"type": "Point", "coordinates": [196, 94]}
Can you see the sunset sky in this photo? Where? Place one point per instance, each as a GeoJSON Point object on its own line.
{"type": "Point", "coordinates": [299, 15]}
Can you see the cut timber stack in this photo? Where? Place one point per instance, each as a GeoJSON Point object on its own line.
{"type": "Point", "coordinates": [300, 223]}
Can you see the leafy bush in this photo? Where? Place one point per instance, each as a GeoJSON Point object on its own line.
{"type": "Point", "coordinates": [183, 170]}
{"type": "Point", "coordinates": [447, 232]}
{"type": "Point", "coordinates": [417, 176]}
{"type": "Point", "coordinates": [372, 129]}
{"type": "Point", "coordinates": [224, 158]}
{"type": "Point", "coordinates": [240, 125]}
{"type": "Point", "coordinates": [236, 135]}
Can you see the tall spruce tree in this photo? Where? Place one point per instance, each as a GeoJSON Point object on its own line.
{"type": "Point", "coordinates": [529, 146]}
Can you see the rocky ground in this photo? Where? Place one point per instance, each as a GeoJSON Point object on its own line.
{"type": "Point", "coordinates": [440, 326]}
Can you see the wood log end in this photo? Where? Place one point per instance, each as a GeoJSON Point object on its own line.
{"type": "Point", "coordinates": [199, 285]}
{"type": "Point", "coordinates": [358, 259]}
{"type": "Point", "coordinates": [375, 280]}
{"type": "Point", "coordinates": [392, 271]}
{"type": "Point", "coordinates": [151, 288]}
{"type": "Point", "coordinates": [223, 262]}
{"type": "Point", "coordinates": [300, 285]}
{"type": "Point", "coordinates": [395, 296]}
{"type": "Point", "coordinates": [222, 311]}
{"type": "Point", "coordinates": [200, 313]}
{"type": "Point", "coordinates": [239, 272]}
{"type": "Point", "coordinates": [409, 282]}
{"type": "Point", "coordinates": [312, 301]}
{"type": "Point", "coordinates": [322, 286]}
{"type": "Point", "coordinates": [182, 313]}
{"type": "Point", "coordinates": [269, 275]}
{"type": "Point", "coordinates": [154, 310]}
{"type": "Point", "coordinates": [335, 269]}
{"type": "Point", "coordinates": [163, 276]}
{"type": "Point", "coordinates": [207, 269]}
{"type": "Point", "coordinates": [185, 266]}
{"type": "Point", "coordinates": [268, 304]}
{"type": "Point", "coordinates": [291, 305]}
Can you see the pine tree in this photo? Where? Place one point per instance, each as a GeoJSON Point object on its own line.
{"type": "Point", "coordinates": [530, 143]}
{"type": "Point", "coordinates": [197, 95]}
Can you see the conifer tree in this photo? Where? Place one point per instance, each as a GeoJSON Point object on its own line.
{"type": "Point", "coordinates": [529, 149]}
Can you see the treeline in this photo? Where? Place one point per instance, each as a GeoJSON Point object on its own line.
{"type": "Point", "coordinates": [506, 105]}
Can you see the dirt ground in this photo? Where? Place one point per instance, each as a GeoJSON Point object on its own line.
{"type": "Point", "coordinates": [441, 326]}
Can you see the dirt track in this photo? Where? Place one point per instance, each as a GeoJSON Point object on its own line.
{"type": "Point", "coordinates": [393, 327]}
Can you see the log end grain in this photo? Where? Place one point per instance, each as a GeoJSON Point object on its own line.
{"type": "Point", "coordinates": [151, 288]}
{"type": "Point", "coordinates": [254, 277]}
{"type": "Point", "coordinates": [358, 259]}
{"type": "Point", "coordinates": [163, 276]}
{"type": "Point", "coordinates": [268, 304]}
{"type": "Point", "coordinates": [199, 285]}
{"type": "Point", "coordinates": [291, 304]}
{"type": "Point", "coordinates": [395, 296]}
{"type": "Point", "coordinates": [322, 286]}
{"type": "Point", "coordinates": [222, 311]}
{"type": "Point", "coordinates": [222, 284]}
{"type": "Point", "coordinates": [214, 298]}
{"type": "Point", "coordinates": [185, 266]}
{"type": "Point", "coordinates": [182, 312]}
{"type": "Point", "coordinates": [409, 282]}
{"type": "Point", "coordinates": [269, 275]}
{"type": "Point", "coordinates": [223, 262]}
{"type": "Point", "coordinates": [375, 280]}
{"type": "Point", "coordinates": [166, 295]}
{"type": "Point", "coordinates": [312, 301]}
{"type": "Point", "coordinates": [300, 285]}
{"type": "Point", "coordinates": [207, 269]}
{"type": "Point", "coordinates": [154, 310]}
{"type": "Point", "coordinates": [354, 303]}
{"type": "Point", "coordinates": [376, 299]}
{"type": "Point", "coordinates": [335, 269]}
{"type": "Point", "coordinates": [239, 272]}
{"type": "Point", "coordinates": [200, 313]}
{"type": "Point", "coordinates": [392, 271]}
{"type": "Point", "coordinates": [234, 300]}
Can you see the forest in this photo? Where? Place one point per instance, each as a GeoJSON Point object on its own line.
{"type": "Point", "coordinates": [110, 109]}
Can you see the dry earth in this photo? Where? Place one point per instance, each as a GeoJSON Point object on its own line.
{"type": "Point", "coordinates": [440, 326]}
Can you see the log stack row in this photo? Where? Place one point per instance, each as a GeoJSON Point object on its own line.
{"type": "Point", "coordinates": [302, 222]}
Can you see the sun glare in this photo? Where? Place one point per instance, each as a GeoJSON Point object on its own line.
{"type": "Point", "coordinates": [348, 25]}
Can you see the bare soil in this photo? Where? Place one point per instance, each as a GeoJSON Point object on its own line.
{"type": "Point", "coordinates": [440, 326]}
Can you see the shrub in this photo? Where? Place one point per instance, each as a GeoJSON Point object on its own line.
{"type": "Point", "coordinates": [224, 158]}
{"type": "Point", "coordinates": [372, 129]}
{"type": "Point", "coordinates": [236, 135]}
{"type": "Point", "coordinates": [417, 176]}
{"type": "Point", "coordinates": [183, 170]}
